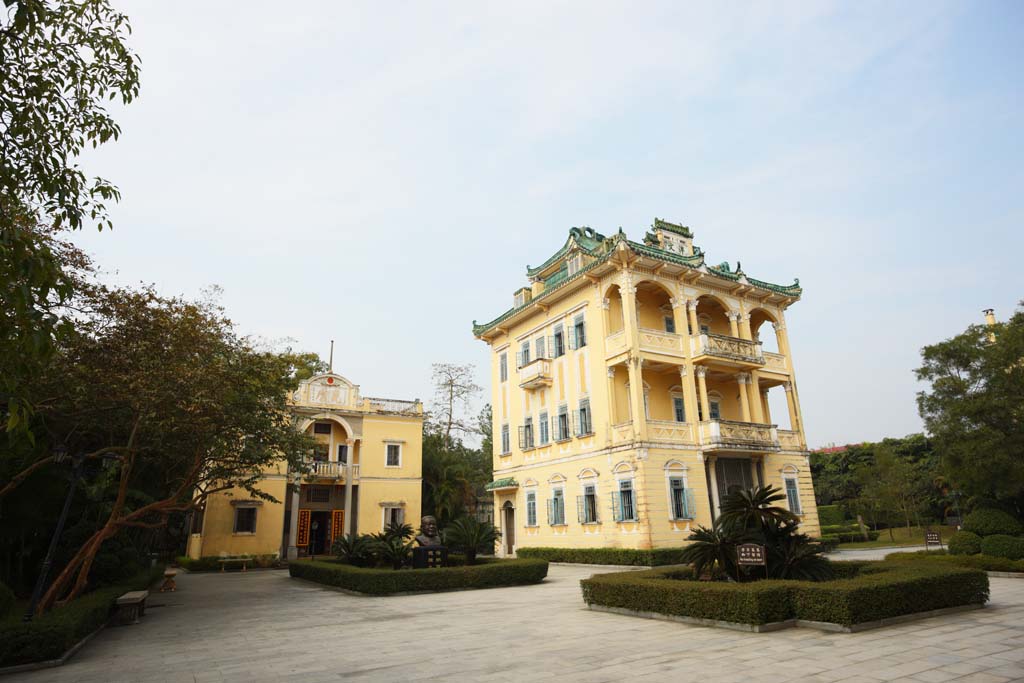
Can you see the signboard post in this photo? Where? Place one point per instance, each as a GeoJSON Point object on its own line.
{"type": "Point", "coordinates": [932, 538]}
{"type": "Point", "coordinates": [751, 554]}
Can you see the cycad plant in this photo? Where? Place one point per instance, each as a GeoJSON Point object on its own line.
{"type": "Point", "coordinates": [398, 530]}
{"type": "Point", "coordinates": [470, 535]}
{"type": "Point", "coordinates": [356, 549]}
{"type": "Point", "coordinates": [394, 550]}
{"type": "Point", "coordinates": [711, 552]}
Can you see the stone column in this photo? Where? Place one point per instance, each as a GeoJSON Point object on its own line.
{"type": "Point", "coordinates": [755, 399]}
{"type": "Point", "coordinates": [689, 397]}
{"type": "Point", "coordinates": [745, 331]}
{"type": "Point", "coordinates": [349, 469]}
{"type": "Point", "coordinates": [767, 407]}
{"type": "Point", "coordinates": [743, 379]}
{"type": "Point", "coordinates": [691, 308]}
{"type": "Point", "coordinates": [679, 317]}
{"type": "Point", "coordinates": [734, 328]}
{"type": "Point", "coordinates": [293, 523]}
{"type": "Point", "coordinates": [612, 418]}
{"type": "Point", "coordinates": [794, 417]}
{"type": "Point", "coordinates": [629, 320]}
{"type": "Point", "coordinates": [782, 340]}
{"type": "Point", "coordinates": [702, 387]}
{"type": "Point", "coordinates": [636, 398]}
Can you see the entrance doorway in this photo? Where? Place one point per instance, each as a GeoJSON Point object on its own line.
{"type": "Point", "coordinates": [319, 532]}
{"type": "Point", "coordinates": [509, 524]}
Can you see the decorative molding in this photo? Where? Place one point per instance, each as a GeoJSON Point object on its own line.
{"type": "Point", "coordinates": [779, 327]}
{"type": "Point", "coordinates": [606, 304]}
{"type": "Point", "coordinates": [701, 371]}
{"type": "Point", "coordinates": [743, 378]}
{"type": "Point", "coordinates": [788, 386]}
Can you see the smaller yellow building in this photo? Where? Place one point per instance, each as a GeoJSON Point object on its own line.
{"type": "Point", "coordinates": [367, 472]}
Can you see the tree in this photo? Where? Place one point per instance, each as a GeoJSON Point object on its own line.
{"type": "Point", "coordinates": [186, 405]}
{"type": "Point", "coordinates": [892, 487]}
{"type": "Point", "coordinates": [972, 408]}
{"type": "Point", "coordinates": [454, 390]}
{"type": "Point", "coordinates": [60, 62]}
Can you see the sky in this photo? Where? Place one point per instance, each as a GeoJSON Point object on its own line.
{"type": "Point", "coordinates": [381, 174]}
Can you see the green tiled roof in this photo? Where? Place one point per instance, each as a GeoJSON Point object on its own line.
{"type": "Point", "coordinates": [592, 243]}
{"type": "Point", "coordinates": [506, 483]}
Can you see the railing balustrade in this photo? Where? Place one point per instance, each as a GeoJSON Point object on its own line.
{"type": "Point", "coordinates": [775, 361]}
{"type": "Point", "coordinates": [732, 433]}
{"type": "Point", "coordinates": [392, 405]}
{"type": "Point", "coordinates": [333, 470]}
{"type": "Point", "coordinates": [536, 373]}
{"type": "Point", "coordinates": [660, 341]}
{"type": "Point", "coordinates": [723, 346]}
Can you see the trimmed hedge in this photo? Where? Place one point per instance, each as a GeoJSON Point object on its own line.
{"type": "Point", "coordinates": [989, 522]}
{"type": "Point", "coordinates": [867, 591]}
{"type": "Point", "coordinates": [652, 557]}
{"type": "Point", "coordinates": [839, 528]}
{"type": "Point", "coordinates": [964, 543]}
{"type": "Point", "coordinates": [984, 562]}
{"type": "Point", "coordinates": [1000, 545]}
{"type": "Point", "coordinates": [51, 635]}
{"type": "Point", "coordinates": [6, 599]}
{"type": "Point", "coordinates": [830, 515]}
{"type": "Point", "coordinates": [849, 537]}
{"type": "Point", "coordinates": [487, 574]}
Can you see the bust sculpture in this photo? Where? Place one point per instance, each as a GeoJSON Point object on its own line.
{"type": "Point", "coordinates": [428, 532]}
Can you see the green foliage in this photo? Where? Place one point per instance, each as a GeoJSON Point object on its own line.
{"type": "Point", "coordinates": [356, 549]}
{"type": "Point", "coordinates": [850, 536]}
{"type": "Point", "coordinates": [830, 515]}
{"type": "Point", "coordinates": [867, 591]}
{"type": "Point", "coordinates": [840, 528]}
{"type": "Point", "coordinates": [964, 543]}
{"type": "Point", "coordinates": [487, 574]}
{"type": "Point", "coordinates": [399, 530]}
{"type": "Point", "coordinates": [6, 600]}
{"type": "Point", "coordinates": [394, 550]}
{"type": "Point", "coordinates": [984, 562]}
{"type": "Point", "coordinates": [51, 635]}
{"type": "Point", "coordinates": [653, 557]}
{"type": "Point", "coordinates": [989, 521]}
{"type": "Point", "coordinates": [751, 516]}
{"type": "Point", "coordinates": [972, 407]}
{"type": "Point", "coordinates": [829, 542]}
{"type": "Point", "coordinates": [1001, 545]}
{"type": "Point", "coordinates": [469, 535]}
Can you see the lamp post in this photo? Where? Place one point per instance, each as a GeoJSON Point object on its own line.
{"type": "Point", "coordinates": [60, 454]}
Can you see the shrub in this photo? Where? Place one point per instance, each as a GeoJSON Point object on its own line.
{"type": "Point", "coordinates": [652, 557]}
{"type": "Point", "coordinates": [830, 515]}
{"type": "Point", "coordinates": [868, 591]}
{"type": "Point", "coordinates": [469, 535]}
{"type": "Point", "coordinates": [485, 574]}
{"type": "Point", "coordinates": [829, 541]}
{"type": "Point", "coordinates": [964, 543]}
{"type": "Point", "coordinates": [989, 522]}
{"type": "Point", "coordinates": [51, 635]}
{"type": "Point", "coordinates": [356, 549]}
{"type": "Point", "coordinates": [6, 600]}
{"type": "Point", "coordinates": [1000, 545]}
{"type": "Point", "coordinates": [984, 562]}
{"type": "Point", "coordinates": [856, 537]}
{"type": "Point", "coordinates": [840, 529]}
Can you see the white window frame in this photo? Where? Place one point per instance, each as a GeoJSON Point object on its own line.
{"type": "Point", "coordinates": [670, 324]}
{"type": "Point", "coordinates": [543, 429]}
{"type": "Point", "coordinates": [636, 513]}
{"type": "Point", "coordinates": [503, 367]}
{"type": "Point", "coordinates": [573, 264]}
{"type": "Point", "coordinates": [558, 341]}
{"type": "Point", "coordinates": [506, 440]}
{"type": "Point", "coordinates": [531, 492]}
{"type": "Point", "coordinates": [387, 453]}
{"type": "Point", "coordinates": [557, 489]}
{"type": "Point", "coordinates": [384, 515]}
{"type": "Point", "coordinates": [678, 396]}
{"type": "Point", "coordinates": [584, 485]}
{"type": "Point", "coordinates": [793, 477]}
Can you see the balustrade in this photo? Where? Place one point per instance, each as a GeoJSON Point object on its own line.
{"type": "Point", "coordinates": [732, 433]}
{"type": "Point", "coordinates": [657, 341]}
{"type": "Point", "coordinates": [790, 440]}
{"type": "Point", "coordinates": [536, 373]}
{"type": "Point", "coordinates": [333, 470]}
{"type": "Point", "coordinates": [723, 346]}
{"type": "Point", "coordinates": [775, 361]}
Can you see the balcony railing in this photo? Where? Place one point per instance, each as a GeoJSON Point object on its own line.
{"type": "Point", "coordinates": [728, 433]}
{"type": "Point", "coordinates": [665, 430]}
{"type": "Point", "coordinates": [658, 341]}
{"type": "Point", "coordinates": [333, 470]}
{"type": "Point", "coordinates": [729, 348]}
{"type": "Point", "coordinates": [790, 440]}
{"type": "Point", "coordinates": [392, 405]}
{"type": "Point", "coordinates": [615, 342]}
{"type": "Point", "coordinates": [535, 374]}
{"type": "Point", "coordinates": [775, 361]}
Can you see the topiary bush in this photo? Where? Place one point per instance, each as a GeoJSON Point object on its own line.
{"type": "Point", "coordinates": [964, 543]}
{"type": "Point", "coordinates": [830, 515]}
{"type": "Point", "coordinates": [989, 522]}
{"type": "Point", "coordinates": [1001, 545]}
{"type": "Point", "coordinates": [985, 562]}
{"type": "Point", "coordinates": [653, 557]}
{"type": "Point", "coordinates": [485, 574]}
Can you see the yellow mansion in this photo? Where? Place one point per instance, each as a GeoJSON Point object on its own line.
{"type": "Point", "coordinates": [631, 392]}
{"type": "Point", "coordinates": [367, 460]}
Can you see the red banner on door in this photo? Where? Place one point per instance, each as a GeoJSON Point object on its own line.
{"type": "Point", "coordinates": [302, 539]}
{"type": "Point", "coordinates": [337, 524]}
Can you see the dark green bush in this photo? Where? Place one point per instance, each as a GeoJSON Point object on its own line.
{"type": "Point", "coordinates": [6, 600]}
{"type": "Point", "coordinates": [964, 543]}
{"type": "Point", "coordinates": [829, 541]}
{"type": "Point", "coordinates": [212, 563]}
{"type": "Point", "coordinates": [653, 557]}
{"type": "Point", "coordinates": [867, 591]}
{"type": "Point", "coordinates": [839, 528]}
{"type": "Point", "coordinates": [51, 635]}
{"type": "Point", "coordinates": [674, 592]}
{"type": "Point", "coordinates": [855, 537]}
{"type": "Point", "coordinates": [484, 574]}
{"type": "Point", "coordinates": [984, 562]}
{"type": "Point", "coordinates": [830, 515]}
{"type": "Point", "coordinates": [989, 522]}
{"type": "Point", "coordinates": [1000, 545]}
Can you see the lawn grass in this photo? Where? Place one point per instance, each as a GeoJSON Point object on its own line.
{"type": "Point", "coordinates": [903, 537]}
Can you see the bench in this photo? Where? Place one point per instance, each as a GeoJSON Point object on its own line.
{"type": "Point", "coordinates": [169, 584]}
{"type": "Point", "coordinates": [131, 606]}
{"type": "Point", "coordinates": [244, 560]}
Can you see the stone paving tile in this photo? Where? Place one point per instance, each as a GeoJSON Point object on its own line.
{"type": "Point", "coordinates": [264, 626]}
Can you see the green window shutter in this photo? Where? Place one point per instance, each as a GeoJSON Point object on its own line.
{"type": "Point", "coordinates": [551, 505]}
{"type": "Point", "coordinates": [691, 509]}
{"type": "Point", "coordinates": [616, 508]}
{"type": "Point", "coordinates": [579, 510]}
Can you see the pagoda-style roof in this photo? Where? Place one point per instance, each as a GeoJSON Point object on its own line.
{"type": "Point", "coordinates": [502, 484]}
{"type": "Point", "coordinates": [608, 253]}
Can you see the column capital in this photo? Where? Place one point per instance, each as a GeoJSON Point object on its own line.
{"type": "Point", "coordinates": [682, 371]}
{"type": "Point", "coordinates": [779, 327]}
{"type": "Point", "coordinates": [679, 302]}
{"type": "Point", "coordinates": [626, 283]}
{"type": "Point", "coordinates": [691, 304]}
{"type": "Point", "coordinates": [745, 317]}
{"type": "Point", "coordinates": [733, 315]}
{"type": "Point", "coordinates": [605, 304]}
{"type": "Point", "coordinates": [743, 378]}
{"type": "Point", "coordinates": [701, 371]}
{"type": "Point", "coordinates": [788, 386]}
{"type": "Point", "coordinates": [611, 372]}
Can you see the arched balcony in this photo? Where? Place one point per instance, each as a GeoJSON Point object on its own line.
{"type": "Point", "coordinates": [335, 452]}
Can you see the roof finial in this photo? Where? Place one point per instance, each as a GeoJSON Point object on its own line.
{"type": "Point", "coordinates": [330, 362]}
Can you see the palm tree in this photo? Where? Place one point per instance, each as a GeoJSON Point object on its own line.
{"type": "Point", "coordinates": [394, 550]}
{"type": "Point", "coordinates": [469, 535]}
{"type": "Point", "coordinates": [752, 509]}
{"type": "Point", "coordinates": [793, 555]}
{"type": "Point", "coordinates": [356, 549]}
{"type": "Point", "coordinates": [399, 530]}
{"type": "Point", "coordinates": [712, 551]}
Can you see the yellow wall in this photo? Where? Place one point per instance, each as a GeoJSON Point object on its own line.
{"type": "Point", "coordinates": [218, 535]}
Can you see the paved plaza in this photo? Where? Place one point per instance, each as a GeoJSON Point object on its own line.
{"type": "Point", "coordinates": [266, 626]}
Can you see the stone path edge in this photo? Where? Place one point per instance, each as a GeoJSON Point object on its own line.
{"type": "Point", "coordinates": [357, 594]}
{"type": "Point", "coordinates": [789, 623]}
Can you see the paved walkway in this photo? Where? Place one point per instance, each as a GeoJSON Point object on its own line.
{"type": "Point", "coordinates": [263, 625]}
